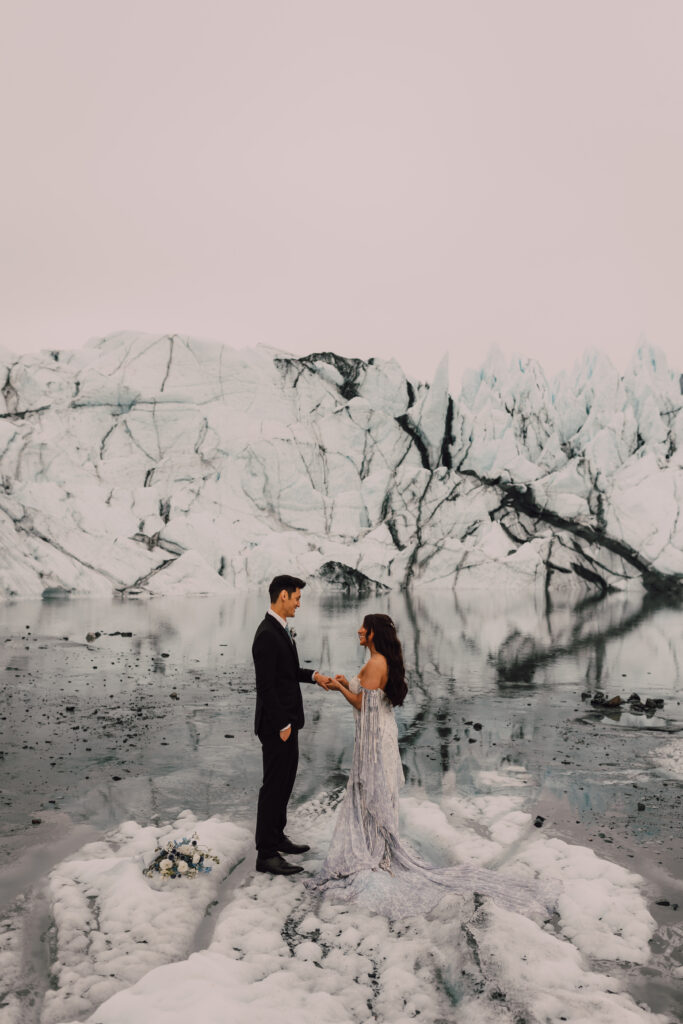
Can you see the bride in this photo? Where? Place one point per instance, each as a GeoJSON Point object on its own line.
{"type": "Point", "coordinates": [367, 860]}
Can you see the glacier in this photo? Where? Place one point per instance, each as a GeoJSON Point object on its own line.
{"type": "Point", "coordinates": [161, 464]}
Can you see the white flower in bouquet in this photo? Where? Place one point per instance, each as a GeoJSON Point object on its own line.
{"type": "Point", "coordinates": [181, 857]}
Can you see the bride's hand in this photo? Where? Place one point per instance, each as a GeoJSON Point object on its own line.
{"type": "Point", "coordinates": [341, 679]}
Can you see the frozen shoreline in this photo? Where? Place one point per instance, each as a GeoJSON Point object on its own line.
{"type": "Point", "coordinates": [583, 771]}
{"type": "Point", "coordinates": [487, 826]}
{"type": "Point", "coordinates": [270, 940]}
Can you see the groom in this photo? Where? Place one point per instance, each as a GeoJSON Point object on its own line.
{"type": "Point", "coordinates": [279, 717]}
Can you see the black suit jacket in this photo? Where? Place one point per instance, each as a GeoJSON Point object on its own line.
{"type": "Point", "coordinates": [278, 674]}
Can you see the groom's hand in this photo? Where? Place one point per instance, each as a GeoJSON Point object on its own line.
{"type": "Point", "coordinates": [322, 680]}
{"type": "Point", "coordinates": [285, 733]}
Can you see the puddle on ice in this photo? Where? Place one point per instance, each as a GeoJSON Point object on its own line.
{"type": "Point", "coordinates": [112, 739]}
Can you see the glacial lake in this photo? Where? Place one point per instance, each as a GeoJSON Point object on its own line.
{"type": "Point", "coordinates": [154, 714]}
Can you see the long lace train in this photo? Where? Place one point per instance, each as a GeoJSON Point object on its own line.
{"type": "Point", "coordinates": [367, 860]}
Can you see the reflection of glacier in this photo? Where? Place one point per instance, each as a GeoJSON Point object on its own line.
{"type": "Point", "coordinates": [464, 804]}
{"type": "Point", "coordinates": [487, 641]}
{"type": "Point", "coordinates": [166, 465]}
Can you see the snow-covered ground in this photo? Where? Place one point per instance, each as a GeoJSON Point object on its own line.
{"type": "Point", "coordinates": [669, 758]}
{"type": "Point", "coordinates": [118, 733]}
{"type": "Point", "coordinates": [131, 949]}
{"type": "Point", "coordinates": [165, 465]}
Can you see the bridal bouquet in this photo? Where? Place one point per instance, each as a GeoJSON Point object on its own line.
{"type": "Point", "coordinates": [181, 858]}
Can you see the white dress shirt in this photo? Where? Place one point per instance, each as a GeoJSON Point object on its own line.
{"type": "Point", "coordinates": [283, 622]}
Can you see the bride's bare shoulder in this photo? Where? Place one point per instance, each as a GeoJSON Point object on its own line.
{"type": "Point", "coordinates": [374, 674]}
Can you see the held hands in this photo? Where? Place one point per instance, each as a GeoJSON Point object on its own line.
{"type": "Point", "coordinates": [328, 683]}
{"type": "Point", "coordinates": [338, 682]}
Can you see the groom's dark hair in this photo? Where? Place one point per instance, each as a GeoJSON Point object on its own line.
{"type": "Point", "coordinates": [288, 583]}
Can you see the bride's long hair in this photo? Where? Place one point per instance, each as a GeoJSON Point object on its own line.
{"type": "Point", "coordinates": [386, 642]}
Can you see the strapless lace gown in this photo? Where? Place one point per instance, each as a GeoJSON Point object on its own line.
{"type": "Point", "coordinates": [367, 861]}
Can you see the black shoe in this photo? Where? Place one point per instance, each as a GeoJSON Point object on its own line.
{"type": "Point", "coordinates": [287, 846]}
{"type": "Point", "coordinates": [277, 865]}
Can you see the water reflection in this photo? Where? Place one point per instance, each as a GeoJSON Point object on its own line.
{"type": "Point", "coordinates": [166, 691]}
{"type": "Point", "coordinates": [584, 632]}
{"type": "Point", "coordinates": [155, 715]}
{"type": "Point", "coordinates": [479, 640]}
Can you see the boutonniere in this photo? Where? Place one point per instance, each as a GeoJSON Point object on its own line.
{"type": "Point", "coordinates": [292, 633]}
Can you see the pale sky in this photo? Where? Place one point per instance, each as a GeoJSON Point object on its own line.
{"type": "Point", "coordinates": [375, 177]}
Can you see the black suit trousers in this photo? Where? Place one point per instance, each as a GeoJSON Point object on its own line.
{"type": "Point", "coordinates": [280, 762]}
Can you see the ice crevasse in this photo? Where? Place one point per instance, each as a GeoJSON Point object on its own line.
{"type": "Point", "coordinates": [147, 465]}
